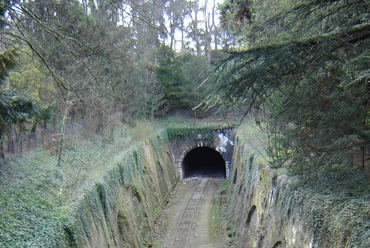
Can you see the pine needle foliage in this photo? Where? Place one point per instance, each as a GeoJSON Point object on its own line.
{"type": "Point", "coordinates": [306, 69]}
{"type": "Point", "coordinates": [15, 107]}
{"type": "Point", "coordinates": [308, 19]}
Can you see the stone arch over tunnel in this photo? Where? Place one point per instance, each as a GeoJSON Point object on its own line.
{"type": "Point", "coordinates": [203, 161]}
{"type": "Point", "coordinates": [278, 244]}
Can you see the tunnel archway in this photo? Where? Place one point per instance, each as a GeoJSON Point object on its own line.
{"type": "Point", "coordinates": [203, 161]}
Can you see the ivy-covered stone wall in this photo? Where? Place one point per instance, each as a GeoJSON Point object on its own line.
{"type": "Point", "coordinates": [120, 209]}
{"type": "Point", "coordinates": [269, 208]}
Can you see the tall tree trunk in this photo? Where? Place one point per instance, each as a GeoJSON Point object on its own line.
{"type": "Point", "coordinates": [172, 32]}
{"type": "Point", "coordinates": [2, 154]}
{"type": "Point", "coordinates": [11, 139]}
{"type": "Point", "coordinates": [214, 28]}
{"type": "Point", "coordinates": [182, 35]}
{"type": "Point", "coordinates": [195, 30]}
{"type": "Point", "coordinates": [62, 130]}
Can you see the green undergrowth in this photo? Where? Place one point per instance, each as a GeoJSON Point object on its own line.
{"type": "Point", "coordinates": [339, 201]}
{"type": "Point", "coordinates": [336, 204]}
{"type": "Point", "coordinates": [37, 198]}
{"type": "Point", "coordinates": [256, 139]}
{"type": "Point", "coordinates": [218, 213]}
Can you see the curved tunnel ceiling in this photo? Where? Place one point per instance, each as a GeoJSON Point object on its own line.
{"type": "Point", "coordinates": [203, 162]}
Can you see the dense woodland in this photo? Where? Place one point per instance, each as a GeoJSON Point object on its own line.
{"type": "Point", "coordinates": [95, 58]}
{"type": "Point", "coordinates": [91, 79]}
{"type": "Point", "coordinates": [299, 67]}
{"type": "Point", "coordinates": [91, 62]}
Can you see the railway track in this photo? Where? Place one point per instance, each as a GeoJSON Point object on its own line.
{"type": "Point", "coordinates": [184, 227]}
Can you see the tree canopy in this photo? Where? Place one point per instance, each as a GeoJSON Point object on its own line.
{"type": "Point", "coordinates": [300, 66]}
{"type": "Point", "coordinates": [304, 71]}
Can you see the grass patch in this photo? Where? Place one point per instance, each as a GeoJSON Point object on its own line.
{"type": "Point", "coordinates": [218, 212]}
{"type": "Point", "coordinates": [178, 127]}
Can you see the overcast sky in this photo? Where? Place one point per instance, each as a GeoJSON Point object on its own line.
{"type": "Point", "coordinates": [127, 18]}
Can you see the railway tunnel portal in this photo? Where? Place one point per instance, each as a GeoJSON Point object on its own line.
{"type": "Point", "coordinates": [202, 152]}
{"type": "Point", "coordinates": [203, 161]}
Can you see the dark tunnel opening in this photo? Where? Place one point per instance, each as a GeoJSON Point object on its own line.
{"type": "Point", "coordinates": [203, 162]}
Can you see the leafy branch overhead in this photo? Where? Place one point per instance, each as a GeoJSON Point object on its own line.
{"type": "Point", "coordinates": [251, 75]}
{"type": "Point", "coordinates": [313, 89]}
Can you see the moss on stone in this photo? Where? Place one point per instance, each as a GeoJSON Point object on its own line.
{"type": "Point", "coordinates": [116, 207]}
{"type": "Point", "coordinates": [330, 211]}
